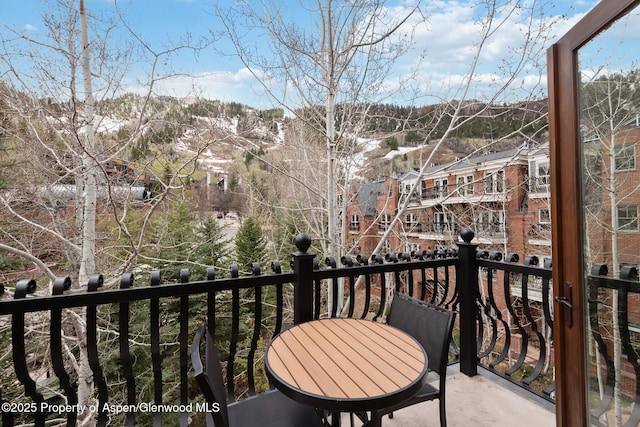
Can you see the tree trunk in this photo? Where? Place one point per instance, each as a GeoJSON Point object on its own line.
{"type": "Point", "coordinates": [89, 181]}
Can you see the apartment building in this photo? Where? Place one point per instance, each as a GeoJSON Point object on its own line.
{"type": "Point", "coordinates": [502, 196]}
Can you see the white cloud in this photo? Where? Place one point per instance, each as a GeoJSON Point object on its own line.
{"type": "Point", "coordinates": [239, 86]}
{"type": "Point", "coordinates": [446, 46]}
{"type": "Point", "coordinates": [438, 63]}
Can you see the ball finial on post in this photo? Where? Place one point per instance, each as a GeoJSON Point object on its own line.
{"type": "Point", "coordinates": [303, 242]}
{"type": "Point", "coordinates": [467, 235]}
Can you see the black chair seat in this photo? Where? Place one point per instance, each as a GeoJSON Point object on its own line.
{"type": "Point", "coordinates": [270, 409]}
{"type": "Point", "coordinates": [428, 392]}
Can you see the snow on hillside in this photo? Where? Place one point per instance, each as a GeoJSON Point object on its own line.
{"type": "Point", "coordinates": [400, 151]}
{"type": "Point", "coordinates": [227, 138]}
{"type": "Point", "coordinates": [358, 161]}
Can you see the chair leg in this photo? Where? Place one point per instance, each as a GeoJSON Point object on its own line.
{"type": "Point", "coordinates": [443, 415]}
{"type": "Point", "coordinates": [375, 419]}
{"type": "Point", "coordinates": [362, 416]}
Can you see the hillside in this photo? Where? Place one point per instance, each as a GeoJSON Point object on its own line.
{"type": "Point", "coordinates": [394, 138]}
{"type": "Point", "coordinates": [162, 133]}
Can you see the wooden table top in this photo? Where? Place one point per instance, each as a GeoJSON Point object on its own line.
{"type": "Point", "coordinates": [346, 365]}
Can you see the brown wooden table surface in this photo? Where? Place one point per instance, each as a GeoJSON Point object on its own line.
{"type": "Point", "coordinates": [346, 365]}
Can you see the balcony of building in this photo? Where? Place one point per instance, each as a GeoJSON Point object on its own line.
{"type": "Point", "coordinates": [446, 228]}
{"type": "Point", "coordinates": [487, 191]}
{"type": "Point", "coordinates": [540, 186]}
{"type": "Point", "coordinates": [136, 338]}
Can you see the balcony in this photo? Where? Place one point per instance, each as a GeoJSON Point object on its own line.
{"type": "Point", "coordinates": [484, 400]}
{"type": "Point", "coordinates": [135, 339]}
{"type": "Point", "coordinates": [540, 185]}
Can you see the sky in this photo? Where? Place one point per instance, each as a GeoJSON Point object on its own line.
{"type": "Point", "coordinates": [444, 46]}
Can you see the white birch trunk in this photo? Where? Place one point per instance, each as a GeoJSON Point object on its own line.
{"type": "Point", "coordinates": [89, 192]}
{"type": "Point", "coordinates": [87, 263]}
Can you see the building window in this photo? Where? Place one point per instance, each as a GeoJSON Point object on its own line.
{"type": "Point", "coordinates": [412, 219]}
{"type": "Point", "coordinates": [354, 246]}
{"type": "Point", "coordinates": [355, 223]}
{"type": "Point", "coordinates": [465, 185]}
{"type": "Point", "coordinates": [494, 182]}
{"type": "Point", "coordinates": [625, 157]}
{"type": "Point", "coordinates": [443, 222]}
{"type": "Point", "coordinates": [540, 178]}
{"type": "Point", "coordinates": [491, 221]}
{"type": "Point", "coordinates": [385, 221]}
{"type": "Point", "coordinates": [412, 248]}
{"type": "Point", "coordinates": [544, 216]}
{"type": "Point", "coordinates": [405, 191]}
{"type": "Point", "coordinates": [627, 218]}
{"type": "Point", "coordinates": [411, 222]}
{"type": "Point", "coordinates": [441, 187]}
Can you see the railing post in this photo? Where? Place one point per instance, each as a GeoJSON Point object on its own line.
{"type": "Point", "coordinates": [467, 283]}
{"type": "Point", "coordinates": [303, 286]}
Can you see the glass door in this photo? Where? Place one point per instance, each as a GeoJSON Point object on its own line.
{"type": "Point", "coordinates": [609, 142]}
{"type": "Point", "coordinates": [594, 117]}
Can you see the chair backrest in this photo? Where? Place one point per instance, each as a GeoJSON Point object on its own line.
{"type": "Point", "coordinates": [430, 324]}
{"type": "Point", "coordinates": [210, 380]}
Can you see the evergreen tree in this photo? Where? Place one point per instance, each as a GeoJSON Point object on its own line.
{"type": "Point", "coordinates": [212, 245]}
{"type": "Point", "coordinates": [251, 245]}
{"type": "Point", "coordinates": [174, 237]}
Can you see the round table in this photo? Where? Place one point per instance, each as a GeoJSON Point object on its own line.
{"type": "Point", "coordinates": [346, 365]}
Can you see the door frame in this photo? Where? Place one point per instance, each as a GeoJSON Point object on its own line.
{"type": "Point", "coordinates": [567, 245]}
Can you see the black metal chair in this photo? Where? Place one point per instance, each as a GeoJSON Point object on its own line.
{"type": "Point", "coordinates": [432, 326]}
{"type": "Point", "coordinates": [270, 409]}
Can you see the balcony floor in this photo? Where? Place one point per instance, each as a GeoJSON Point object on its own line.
{"type": "Point", "coordinates": [485, 400]}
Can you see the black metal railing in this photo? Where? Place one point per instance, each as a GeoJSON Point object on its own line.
{"type": "Point", "coordinates": [517, 320]}
{"type": "Point", "coordinates": [150, 349]}
{"type": "Point", "coordinates": [135, 338]}
{"type": "Point", "coordinates": [610, 302]}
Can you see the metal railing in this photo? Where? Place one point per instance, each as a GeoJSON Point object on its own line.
{"type": "Point", "coordinates": [614, 375]}
{"type": "Point", "coordinates": [136, 338]}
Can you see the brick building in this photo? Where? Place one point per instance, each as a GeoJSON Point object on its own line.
{"type": "Point", "coordinates": [503, 196]}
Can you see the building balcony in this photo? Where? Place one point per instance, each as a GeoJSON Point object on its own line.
{"type": "Point", "coordinates": [464, 193]}
{"type": "Point", "coordinates": [540, 186]}
{"type": "Point", "coordinates": [136, 339]}
{"type": "Point", "coordinates": [488, 233]}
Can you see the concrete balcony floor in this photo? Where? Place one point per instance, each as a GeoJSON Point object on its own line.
{"type": "Point", "coordinates": [485, 400]}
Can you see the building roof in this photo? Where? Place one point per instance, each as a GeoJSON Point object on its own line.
{"type": "Point", "coordinates": [366, 195]}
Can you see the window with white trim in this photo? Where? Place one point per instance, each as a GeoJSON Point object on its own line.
{"type": "Point", "coordinates": [465, 185]}
{"type": "Point", "coordinates": [544, 216]}
{"type": "Point", "coordinates": [625, 157]}
{"type": "Point", "coordinates": [441, 187]}
{"type": "Point", "coordinates": [494, 182]}
{"type": "Point", "coordinates": [355, 222]}
{"type": "Point", "coordinates": [627, 218]}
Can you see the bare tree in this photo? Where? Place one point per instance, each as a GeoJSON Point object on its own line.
{"type": "Point", "coordinates": [324, 71]}
{"type": "Point", "coordinates": [73, 190]}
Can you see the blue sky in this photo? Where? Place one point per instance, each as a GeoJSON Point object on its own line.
{"type": "Point", "coordinates": [444, 45]}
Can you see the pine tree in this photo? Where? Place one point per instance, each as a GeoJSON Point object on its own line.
{"type": "Point", "coordinates": [212, 247]}
{"type": "Point", "coordinates": [251, 245]}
